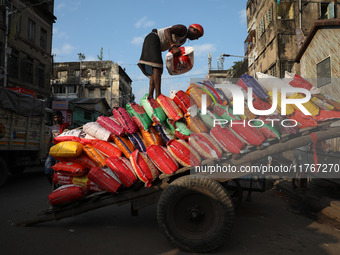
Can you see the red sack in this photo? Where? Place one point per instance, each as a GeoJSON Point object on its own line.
{"type": "Point", "coordinates": [205, 145]}
{"type": "Point", "coordinates": [183, 154]}
{"type": "Point", "coordinates": [83, 181]}
{"type": "Point", "coordinates": [70, 168]}
{"type": "Point", "coordinates": [125, 120]}
{"type": "Point", "coordinates": [66, 193]}
{"type": "Point", "coordinates": [182, 99]}
{"type": "Point", "coordinates": [300, 82]}
{"type": "Point", "coordinates": [107, 148]}
{"type": "Point", "coordinates": [226, 139]}
{"type": "Point", "coordinates": [162, 159]}
{"type": "Point", "coordinates": [303, 120]}
{"type": "Point", "coordinates": [105, 178]}
{"type": "Point", "coordinates": [181, 64]}
{"type": "Point", "coordinates": [122, 168]}
{"type": "Point", "coordinates": [83, 160]}
{"type": "Point", "coordinates": [326, 115]}
{"type": "Point", "coordinates": [111, 125]}
{"type": "Point", "coordinates": [143, 167]}
{"type": "Point", "coordinates": [250, 135]}
{"type": "Point", "coordinates": [170, 107]}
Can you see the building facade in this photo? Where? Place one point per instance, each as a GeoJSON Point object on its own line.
{"type": "Point", "coordinates": [92, 79]}
{"type": "Point", "coordinates": [276, 30]}
{"type": "Point", "coordinates": [25, 46]}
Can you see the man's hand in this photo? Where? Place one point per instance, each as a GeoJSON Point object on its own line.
{"type": "Point", "coordinates": [176, 51]}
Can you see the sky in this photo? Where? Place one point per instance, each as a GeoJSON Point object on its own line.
{"type": "Point", "coordinates": [119, 27]}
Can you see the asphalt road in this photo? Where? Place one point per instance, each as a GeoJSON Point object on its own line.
{"type": "Point", "coordinates": [266, 225]}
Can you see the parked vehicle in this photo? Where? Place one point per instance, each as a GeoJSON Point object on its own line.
{"type": "Point", "coordinates": [23, 132]}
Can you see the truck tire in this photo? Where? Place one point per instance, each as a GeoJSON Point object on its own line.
{"type": "Point", "coordinates": [195, 213]}
{"type": "Point", "coordinates": [3, 171]}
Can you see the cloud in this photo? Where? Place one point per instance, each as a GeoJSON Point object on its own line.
{"type": "Point", "coordinates": [137, 40]}
{"type": "Point", "coordinates": [60, 7]}
{"type": "Point", "coordinates": [204, 49]}
{"type": "Point", "coordinates": [144, 23]}
{"type": "Point", "coordinates": [64, 50]}
{"type": "Point", "coordinates": [60, 35]}
{"type": "Point", "coordinates": [243, 16]}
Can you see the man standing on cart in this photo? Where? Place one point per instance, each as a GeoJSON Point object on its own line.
{"type": "Point", "coordinates": [159, 40]}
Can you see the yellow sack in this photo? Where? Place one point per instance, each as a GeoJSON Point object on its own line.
{"type": "Point", "coordinates": [312, 108]}
{"type": "Point", "coordinates": [289, 108]}
{"type": "Point", "coordinates": [68, 149]}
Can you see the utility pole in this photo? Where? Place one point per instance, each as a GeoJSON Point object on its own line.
{"type": "Point", "coordinates": [6, 45]}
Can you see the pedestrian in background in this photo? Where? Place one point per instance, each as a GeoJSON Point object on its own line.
{"type": "Point", "coordinates": [55, 130]}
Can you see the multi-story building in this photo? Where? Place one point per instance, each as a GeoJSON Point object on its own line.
{"type": "Point", "coordinates": [276, 29]}
{"type": "Point", "coordinates": [92, 79]}
{"type": "Point", "coordinates": [25, 46]}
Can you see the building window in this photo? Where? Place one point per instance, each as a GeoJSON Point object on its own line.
{"type": "Point", "coordinates": [91, 92]}
{"type": "Point", "coordinates": [261, 27]}
{"type": "Point", "coordinates": [324, 72]}
{"type": "Point", "coordinates": [285, 66]}
{"type": "Point", "coordinates": [327, 10]}
{"type": "Point", "coordinates": [102, 92]}
{"type": "Point", "coordinates": [31, 30]}
{"type": "Point", "coordinates": [43, 38]}
{"type": "Point", "coordinates": [72, 89]}
{"type": "Point", "coordinates": [93, 72]}
{"type": "Point", "coordinates": [61, 89]}
{"type": "Point", "coordinates": [76, 73]}
{"type": "Point", "coordinates": [2, 15]}
{"type": "Point", "coordinates": [269, 16]}
{"type": "Point", "coordinates": [62, 74]}
{"type": "Point", "coordinates": [272, 70]}
{"type": "Point", "coordinates": [41, 75]}
{"type": "Point", "coordinates": [29, 70]}
{"type": "Point", "coordinates": [285, 10]}
{"type": "Point", "coordinates": [14, 65]}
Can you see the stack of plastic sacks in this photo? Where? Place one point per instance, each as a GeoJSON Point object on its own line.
{"type": "Point", "coordinates": [143, 140]}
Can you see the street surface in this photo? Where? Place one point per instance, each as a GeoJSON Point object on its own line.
{"type": "Point", "coordinates": [266, 225]}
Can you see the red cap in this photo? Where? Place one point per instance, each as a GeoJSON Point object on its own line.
{"type": "Point", "coordinates": [198, 27]}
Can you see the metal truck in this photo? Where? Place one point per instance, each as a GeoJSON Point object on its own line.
{"type": "Point", "coordinates": [23, 132]}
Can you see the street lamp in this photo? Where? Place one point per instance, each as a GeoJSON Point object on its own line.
{"type": "Point", "coordinates": [237, 56]}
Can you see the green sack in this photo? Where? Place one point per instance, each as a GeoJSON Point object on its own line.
{"type": "Point", "coordinates": [153, 109]}
{"type": "Point", "coordinates": [224, 112]}
{"type": "Point", "coordinates": [139, 116]}
{"type": "Point", "coordinates": [208, 118]}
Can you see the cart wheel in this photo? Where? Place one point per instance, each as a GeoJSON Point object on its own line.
{"type": "Point", "coordinates": [195, 213]}
{"type": "Point", "coordinates": [3, 172]}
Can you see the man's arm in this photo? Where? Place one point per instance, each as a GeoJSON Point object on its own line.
{"type": "Point", "coordinates": [179, 30]}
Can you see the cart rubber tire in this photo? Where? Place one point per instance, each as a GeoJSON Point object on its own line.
{"type": "Point", "coordinates": [3, 172]}
{"type": "Point", "coordinates": [195, 213]}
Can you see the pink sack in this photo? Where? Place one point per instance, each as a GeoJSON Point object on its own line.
{"type": "Point", "coordinates": [125, 120]}
{"type": "Point", "coordinates": [111, 125]}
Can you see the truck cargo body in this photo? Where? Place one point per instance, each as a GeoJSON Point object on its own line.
{"type": "Point", "coordinates": [23, 133]}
